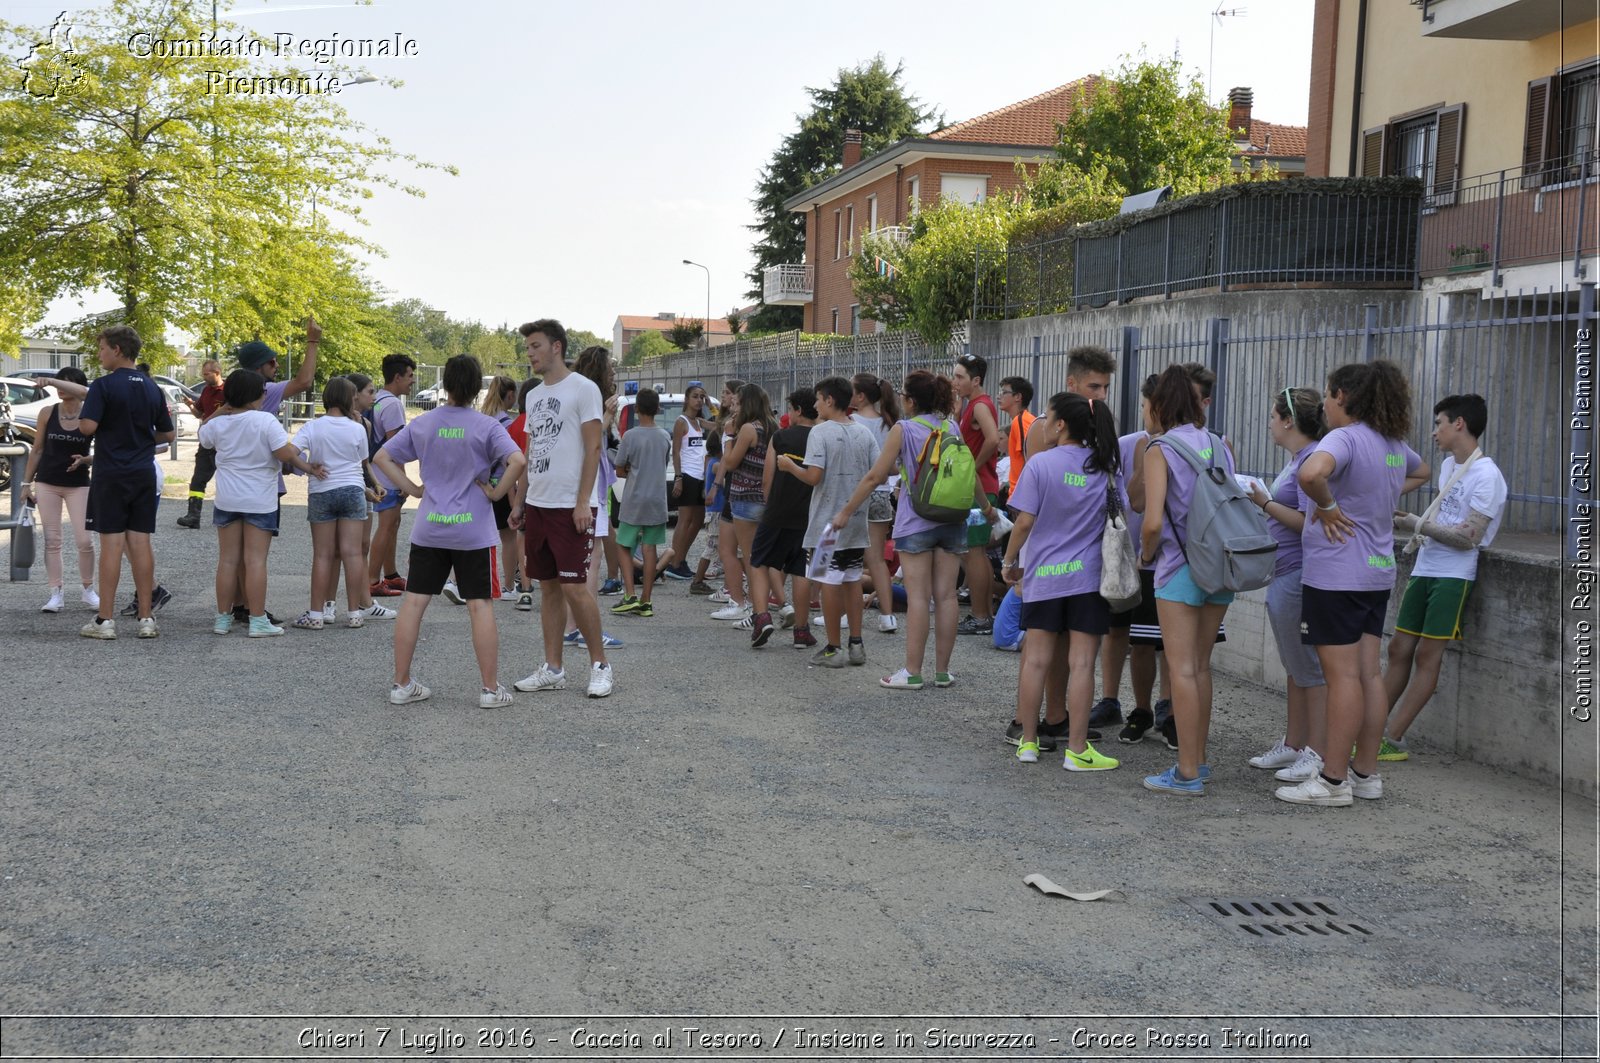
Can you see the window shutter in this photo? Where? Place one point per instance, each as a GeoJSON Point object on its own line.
{"type": "Point", "coordinates": [1372, 145]}
{"type": "Point", "coordinates": [1537, 131]}
{"type": "Point", "coordinates": [1447, 155]}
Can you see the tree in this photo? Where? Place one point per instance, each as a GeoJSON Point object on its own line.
{"type": "Point", "coordinates": [685, 332]}
{"type": "Point", "coordinates": [1145, 128]}
{"type": "Point", "coordinates": [648, 345]}
{"type": "Point", "coordinates": [578, 339]}
{"type": "Point", "coordinates": [735, 322]}
{"type": "Point", "coordinates": [204, 192]}
{"type": "Point", "coordinates": [869, 97]}
{"type": "Point", "coordinates": [495, 353]}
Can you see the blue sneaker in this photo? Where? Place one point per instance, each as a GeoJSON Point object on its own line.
{"type": "Point", "coordinates": [1169, 782]}
{"type": "Point", "coordinates": [611, 586]}
{"type": "Point", "coordinates": [1205, 774]}
{"type": "Point", "coordinates": [575, 638]}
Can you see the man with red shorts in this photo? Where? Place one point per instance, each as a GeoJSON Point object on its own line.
{"type": "Point", "coordinates": [563, 424]}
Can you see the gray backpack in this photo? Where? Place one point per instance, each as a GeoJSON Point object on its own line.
{"type": "Point", "coordinates": [1229, 547]}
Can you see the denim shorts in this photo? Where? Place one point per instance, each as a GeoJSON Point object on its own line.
{"type": "Point", "coordinates": [750, 511]}
{"type": "Point", "coordinates": [1183, 589]}
{"type": "Point", "coordinates": [952, 538]}
{"type": "Point", "coordinates": [341, 503]}
{"type": "Point", "coordinates": [391, 498]}
{"type": "Point", "coordinates": [268, 522]}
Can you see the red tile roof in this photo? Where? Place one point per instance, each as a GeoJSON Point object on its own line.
{"type": "Point", "coordinates": [1029, 121]}
{"type": "Point", "coordinates": [1286, 139]}
{"type": "Point", "coordinates": [637, 323]}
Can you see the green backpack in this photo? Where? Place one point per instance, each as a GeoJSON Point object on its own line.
{"type": "Point", "coordinates": [947, 476]}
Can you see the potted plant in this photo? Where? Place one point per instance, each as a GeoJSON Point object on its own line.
{"type": "Point", "coordinates": [1467, 257]}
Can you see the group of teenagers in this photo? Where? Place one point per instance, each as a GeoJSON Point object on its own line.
{"type": "Point", "coordinates": [820, 502]}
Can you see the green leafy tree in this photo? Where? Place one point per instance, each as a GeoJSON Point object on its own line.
{"type": "Point", "coordinates": [496, 354]}
{"type": "Point", "coordinates": [1144, 127]}
{"type": "Point", "coordinates": [646, 346]}
{"type": "Point", "coordinates": [685, 332]}
{"type": "Point", "coordinates": [578, 339]}
{"type": "Point", "coordinates": [214, 213]}
{"type": "Point", "coordinates": [735, 322]}
{"type": "Point", "coordinates": [869, 97]}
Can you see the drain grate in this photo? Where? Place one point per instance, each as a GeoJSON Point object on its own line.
{"type": "Point", "coordinates": [1305, 918]}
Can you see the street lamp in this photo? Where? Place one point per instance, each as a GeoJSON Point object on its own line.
{"type": "Point", "coordinates": [705, 332]}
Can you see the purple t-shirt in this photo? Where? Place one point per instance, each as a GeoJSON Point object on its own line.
{"type": "Point", "coordinates": [388, 415]}
{"type": "Point", "coordinates": [1062, 555]}
{"type": "Point", "coordinates": [272, 402]}
{"type": "Point", "coordinates": [454, 448]}
{"type": "Point", "coordinates": [912, 434]}
{"type": "Point", "coordinates": [1368, 473]}
{"type": "Point", "coordinates": [1180, 491]}
{"type": "Point", "coordinates": [1286, 491]}
{"type": "Point", "coordinates": [1126, 445]}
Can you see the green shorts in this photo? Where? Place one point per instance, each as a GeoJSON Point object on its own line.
{"type": "Point", "coordinates": [631, 535]}
{"type": "Point", "coordinates": [1432, 607]}
{"type": "Point", "coordinates": [978, 534]}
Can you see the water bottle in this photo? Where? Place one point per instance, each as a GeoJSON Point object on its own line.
{"type": "Point", "coordinates": [975, 518]}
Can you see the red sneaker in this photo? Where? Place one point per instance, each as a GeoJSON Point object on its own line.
{"type": "Point", "coordinates": [803, 638]}
{"type": "Point", "coordinates": [381, 589]}
{"type": "Point", "coordinates": [396, 584]}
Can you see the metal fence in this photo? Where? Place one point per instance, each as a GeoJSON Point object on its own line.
{"type": "Point", "coordinates": [1513, 217]}
{"type": "Point", "coordinates": [1509, 350]}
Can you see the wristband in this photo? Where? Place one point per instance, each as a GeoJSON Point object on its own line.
{"type": "Point", "coordinates": [1331, 506]}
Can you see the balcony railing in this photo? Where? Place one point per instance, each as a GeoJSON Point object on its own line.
{"type": "Point", "coordinates": [1513, 218]}
{"type": "Point", "coordinates": [897, 234]}
{"type": "Point", "coordinates": [787, 285]}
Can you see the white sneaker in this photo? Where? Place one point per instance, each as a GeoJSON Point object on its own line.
{"type": "Point", "coordinates": [357, 618]}
{"type": "Point", "coordinates": [786, 617]}
{"type": "Point", "coordinates": [509, 594]}
{"type": "Point", "coordinates": [405, 695]}
{"type": "Point", "coordinates": [720, 596]}
{"type": "Point", "coordinates": [497, 698]}
{"type": "Point", "coordinates": [747, 624]}
{"type": "Point", "coordinates": [601, 681]}
{"type": "Point", "coordinates": [54, 604]}
{"type": "Point", "coordinates": [1315, 791]}
{"type": "Point", "coordinates": [888, 624]}
{"type": "Point", "coordinates": [147, 628]}
{"type": "Point", "coordinates": [1279, 756]}
{"type": "Point", "coordinates": [96, 630]}
{"type": "Point", "coordinates": [330, 612]}
{"type": "Point", "coordinates": [1305, 766]}
{"type": "Point", "coordinates": [452, 592]}
{"type": "Point", "coordinates": [91, 598]}
{"type": "Point", "coordinates": [546, 678]}
{"type": "Point", "coordinates": [379, 612]}
{"type": "Point", "coordinates": [732, 611]}
{"type": "Point", "coordinates": [1368, 789]}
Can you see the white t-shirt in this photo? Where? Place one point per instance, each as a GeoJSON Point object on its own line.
{"type": "Point", "coordinates": [338, 443]}
{"type": "Point", "coordinates": [556, 415]}
{"type": "Point", "coordinates": [247, 473]}
{"type": "Point", "coordinates": [1481, 489]}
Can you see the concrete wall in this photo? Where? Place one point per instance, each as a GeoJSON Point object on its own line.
{"type": "Point", "coordinates": [1499, 700]}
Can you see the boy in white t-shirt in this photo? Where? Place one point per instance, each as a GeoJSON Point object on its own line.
{"type": "Point", "coordinates": [1465, 521]}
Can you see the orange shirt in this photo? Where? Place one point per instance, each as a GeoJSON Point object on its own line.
{"type": "Point", "coordinates": [1016, 442]}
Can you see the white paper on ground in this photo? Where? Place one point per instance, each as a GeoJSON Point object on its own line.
{"type": "Point", "coordinates": [1044, 885]}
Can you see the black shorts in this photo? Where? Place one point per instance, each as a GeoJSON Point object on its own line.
{"type": "Point", "coordinates": [1086, 613]}
{"type": "Point", "coordinates": [693, 492]}
{"type": "Point", "coordinates": [502, 513]}
{"type": "Point", "coordinates": [123, 501]}
{"type": "Point", "coordinates": [1144, 627]}
{"type": "Point", "coordinates": [780, 548]}
{"type": "Point", "coordinates": [1340, 618]}
{"type": "Point", "coordinates": [430, 566]}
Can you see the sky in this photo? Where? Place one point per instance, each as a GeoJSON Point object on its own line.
{"type": "Point", "coordinates": [600, 144]}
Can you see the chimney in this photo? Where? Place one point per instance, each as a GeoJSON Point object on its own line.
{"type": "Point", "coordinates": [852, 147]}
{"type": "Point", "coordinates": [666, 315]}
{"type": "Point", "coordinates": [1239, 101]}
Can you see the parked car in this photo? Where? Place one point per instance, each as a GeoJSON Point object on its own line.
{"type": "Point", "coordinates": [185, 422]}
{"type": "Point", "coordinates": [427, 399]}
{"type": "Point", "coordinates": [671, 410]}
{"type": "Point", "coordinates": [27, 397]}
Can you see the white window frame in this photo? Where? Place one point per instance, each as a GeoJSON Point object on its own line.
{"type": "Point", "coordinates": [872, 213]}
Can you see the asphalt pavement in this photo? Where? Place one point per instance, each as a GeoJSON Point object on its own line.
{"type": "Point", "coordinates": [218, 826]}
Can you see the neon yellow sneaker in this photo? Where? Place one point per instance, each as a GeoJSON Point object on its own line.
{"type": "Point", "coordinates": [1393, 749]}
{"type": "Point", "coordinates": [1028, 752]}
{"type": "Point", "coordinates": [1091, 759]}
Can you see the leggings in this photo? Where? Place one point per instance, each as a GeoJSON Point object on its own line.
{"type": "Point", "coordinates": [76, 499]}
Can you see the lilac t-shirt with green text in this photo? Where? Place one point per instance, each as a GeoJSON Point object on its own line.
{"type": "Point", "coordinates": [1285, 490]}
{"type": "Point", "coordinates": [1180, 492]}
{"type": "Point", "coordinates": [454, 448]}
{"type": "Point", "coordinates": [1062, 555]}
{"type": "Point", "coordinates": [1368, 474]}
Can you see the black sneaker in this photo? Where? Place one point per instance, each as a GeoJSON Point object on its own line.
{"type": "Point", "coordinates": [1046, 737]}
{"type": "Point", "coordinates": [975, 626]}
{"type": "Point", "coordinates": [1058, 732]}
{"type": "Point", "coordinates": [1139, 721]}
{"type": "Point", "coordinates": [158, 597]}
{"type": "Point", "coordinates": [1107, 712]}
{"type": "Point", "coordinates": [1169, 731]}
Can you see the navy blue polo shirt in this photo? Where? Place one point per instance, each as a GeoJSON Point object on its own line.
{"type": "Point", "coordinates": [129, 410]}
